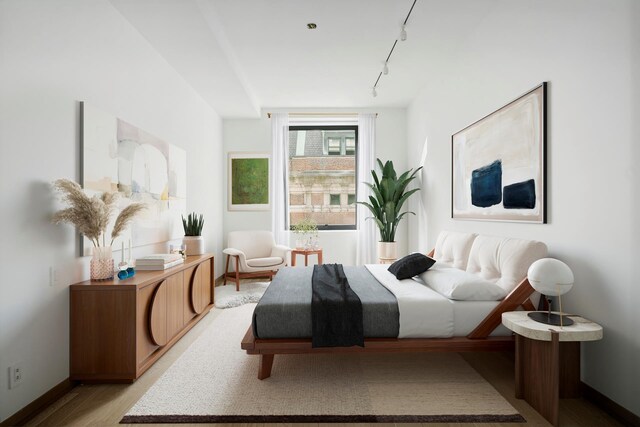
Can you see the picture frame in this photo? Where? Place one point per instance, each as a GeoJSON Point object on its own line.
{"type": "Point", "coordinates": [498, 163]}
{"type": "Point", "coordinates": [248, 181]}
{"type": "Point", "coordinates": [117, 156]}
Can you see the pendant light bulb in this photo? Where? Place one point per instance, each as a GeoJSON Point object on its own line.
{"type": "Point", "coordinates": [385, 70]}
{"type": "Point", "coordinates": [374, 92]}
{"type": "Point", "coordinates": [403, 33]}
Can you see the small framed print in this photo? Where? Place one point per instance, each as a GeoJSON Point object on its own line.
{"type": "Point", "coordinates": [248, 181]}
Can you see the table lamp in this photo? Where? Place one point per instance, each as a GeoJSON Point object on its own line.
{"type": "Point", "coordinates": [551, 277]}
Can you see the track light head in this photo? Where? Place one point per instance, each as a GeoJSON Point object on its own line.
{"type": "Point", "coordinates": [403, 33]}
{"type": "Point", "coordinates": [374, 92]}
{"type": "Point", "coordinates": [385, 69]}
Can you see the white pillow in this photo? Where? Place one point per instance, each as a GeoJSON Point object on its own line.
{"type": "Point", "coordinates": [457, 284]}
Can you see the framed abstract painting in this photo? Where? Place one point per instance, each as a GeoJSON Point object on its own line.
{"type": "Point", "coordinates": [499, 163]}
{"type": "Point", "coordinates": [118, 156]}
{"type": "Point", "coordinates": [248, 181]}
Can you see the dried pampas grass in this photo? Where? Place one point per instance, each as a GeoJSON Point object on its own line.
{"type": "Point", "coordinates": [91, 215]}
{"type": "Point", "coordinates": [125, 218]}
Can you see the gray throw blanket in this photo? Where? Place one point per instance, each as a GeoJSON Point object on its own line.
{"type": "Point", "coordinates": [284, 311]}
{"type": "Point", "coordinates": [336, 310]}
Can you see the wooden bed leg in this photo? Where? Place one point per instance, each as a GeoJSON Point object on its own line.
{"type": "Point", "coordinates": [266, 362]}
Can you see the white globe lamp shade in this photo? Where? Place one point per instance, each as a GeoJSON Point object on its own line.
{"type": "Point", "coordinates": [551, 277]}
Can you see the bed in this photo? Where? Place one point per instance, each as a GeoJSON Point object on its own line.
{"type": "Point", "coordinates": [405, 315]}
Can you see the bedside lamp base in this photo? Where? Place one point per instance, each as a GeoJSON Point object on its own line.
{"type": "Point", "coordinates": [550, 318]}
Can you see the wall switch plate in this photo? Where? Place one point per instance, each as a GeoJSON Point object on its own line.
{"type": "Point", "coordinates": [53, 276]}
{"type": "Point", "coordinates": [16, 375]}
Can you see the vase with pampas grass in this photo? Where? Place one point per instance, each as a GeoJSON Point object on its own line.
{"type": "Point", "coordinates": [91, 216]}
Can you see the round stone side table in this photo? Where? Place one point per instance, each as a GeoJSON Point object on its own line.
{"type": "Point", "coordinates": [548, 360]}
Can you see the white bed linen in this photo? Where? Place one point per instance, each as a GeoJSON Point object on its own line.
{"type": "Point", "coordinates": [424, 313]}
{"type": "Point", "coordinates": [468, 314]}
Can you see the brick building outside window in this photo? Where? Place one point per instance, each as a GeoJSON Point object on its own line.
{"type": "Point", "coordinates": [322, 175]}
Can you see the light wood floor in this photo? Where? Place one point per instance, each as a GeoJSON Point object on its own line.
{"type": "Point", "coordinates": [105, 405]}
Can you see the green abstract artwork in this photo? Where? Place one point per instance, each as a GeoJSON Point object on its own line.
{"type": "Point", "coordinates": [250, 181]}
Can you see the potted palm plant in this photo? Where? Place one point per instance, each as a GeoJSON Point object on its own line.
{"type": "Point", "coordinates": [389, 194]}
{"type": "Point", "coordinates": [193, 241]}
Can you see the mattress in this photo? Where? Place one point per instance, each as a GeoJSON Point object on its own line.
{"type": "Point", "coordinates": [468, 314]}
{"type": "Point", "coordinates": [391, 308]}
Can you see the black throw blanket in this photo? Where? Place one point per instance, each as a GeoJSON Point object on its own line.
{"type": "Point", "coordinates": [336, 310]}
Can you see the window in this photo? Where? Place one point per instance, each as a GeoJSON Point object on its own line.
{"type": "Point", "coordinates": [334, 147]}
{"type": "Point", "coordinates": [322, 167]}
{"type": "Point", "coordinates": [350, 146]}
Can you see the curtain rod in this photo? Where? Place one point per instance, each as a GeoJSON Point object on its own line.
{"type": "Point", "coordinates": [321, 114]}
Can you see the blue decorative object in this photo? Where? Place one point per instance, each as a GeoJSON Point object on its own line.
{"type": "Point", "coordinates": [126, 273]}
{"type": "Point", "coordinates": [486, 185]}
{"type": "Point", "coordinates": [521, 195]}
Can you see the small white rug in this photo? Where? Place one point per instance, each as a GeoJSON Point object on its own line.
{"type": "Point", "coordinates": [228, 297]}
{"type": "Point", "coordinates": [214, 381]}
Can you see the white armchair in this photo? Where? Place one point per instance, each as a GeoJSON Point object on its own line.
{"type": "Point", "coordinates": [256, 255]}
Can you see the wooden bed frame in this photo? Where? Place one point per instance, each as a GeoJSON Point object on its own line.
{"type": "Point", "coordinates": [477, 340]}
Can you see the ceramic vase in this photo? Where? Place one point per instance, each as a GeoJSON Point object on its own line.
{"type": "Point", "coordinates": [194, 245]}
{"type": "Point", "coordinates": [387, 252]}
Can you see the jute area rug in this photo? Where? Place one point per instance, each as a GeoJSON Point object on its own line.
{"type": "Point", "coordinates": [214, 381]}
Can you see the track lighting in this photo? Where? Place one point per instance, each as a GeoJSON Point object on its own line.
{"type": "Point", "coordinates": [403, 37]}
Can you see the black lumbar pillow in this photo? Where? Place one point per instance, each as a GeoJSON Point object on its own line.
{"type": "Point", "coordinates": [411, 265]}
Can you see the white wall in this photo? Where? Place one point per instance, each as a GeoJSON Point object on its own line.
{"type": "Point", "coordinates": [52, 55]}
{"type": "Point", "coordinates": [255, 135]}
{"type": "Point", "coordinates": [584, 50]}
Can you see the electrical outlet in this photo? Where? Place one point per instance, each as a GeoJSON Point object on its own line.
{"type": "Point", "coordinates": [16, 375]}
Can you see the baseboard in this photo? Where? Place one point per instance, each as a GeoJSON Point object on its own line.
{"type": "Point", "coordinates": [34, 408]}
{"type": "Point", "coordinates": [618, 412]}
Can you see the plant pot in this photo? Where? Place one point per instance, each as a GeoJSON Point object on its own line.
{"type": "Point", "coordinates": [387, 252]}
{"type": "Point", "coordinates": [101, 264]}
{"type": "Point", "coordinates": [194, 245]}
{"type": "Point", "coordinates": [301, 243]}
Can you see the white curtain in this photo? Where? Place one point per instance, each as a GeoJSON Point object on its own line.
{"type": "Point", "coordinates": [367, 231]}
{"type": "Point", "coordinates": [279, 185]}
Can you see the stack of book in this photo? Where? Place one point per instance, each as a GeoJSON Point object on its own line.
{"type": "Point", "coordinates": [158, 261]}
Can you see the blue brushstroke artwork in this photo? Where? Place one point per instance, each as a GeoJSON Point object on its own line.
{"type": "Point", "coordinates": [486, 185]}
{"type": "Point", "coordinates": [521, 195]}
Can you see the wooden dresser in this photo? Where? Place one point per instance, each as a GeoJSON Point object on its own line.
{"type": "Point", "coordinates": [119, 328]}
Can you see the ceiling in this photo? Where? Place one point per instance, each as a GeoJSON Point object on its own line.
{"type": "Point", "coordinates": [242, 56]}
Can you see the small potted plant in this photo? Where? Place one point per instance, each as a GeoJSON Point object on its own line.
{"type": "Point", "coordinates": [306, 230]}
{"type": "Point", "coordinates": [193, 241]}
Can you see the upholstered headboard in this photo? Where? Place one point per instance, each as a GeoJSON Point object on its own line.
{"type": "Point", "coordinates": [452, 248]}
{"type": "Point", "coordinates": [504, 260]}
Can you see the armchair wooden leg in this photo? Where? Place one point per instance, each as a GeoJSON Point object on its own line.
{"type": "Point", "coordinates": [226, 270]}
{"type": "Point", "coordinates": [237, 274]}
